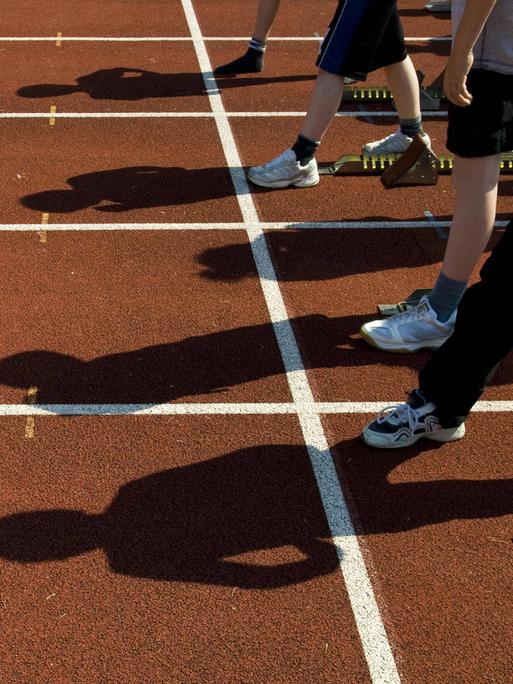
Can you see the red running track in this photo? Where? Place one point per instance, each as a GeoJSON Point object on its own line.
{"type": "Point", "coordinates": [191, 544]}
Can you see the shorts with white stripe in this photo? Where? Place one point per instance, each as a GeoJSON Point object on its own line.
{"type": "Point", "coordinates": [363, 36]}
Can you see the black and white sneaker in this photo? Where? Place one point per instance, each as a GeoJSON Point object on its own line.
{"type": "Point", "coordinates": [404, 424]}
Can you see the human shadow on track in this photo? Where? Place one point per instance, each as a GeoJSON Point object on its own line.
{"type": "Point", "coordinates": [141, 187]}
{"type": "Point", "coordinates": [200, 365]}
{"type": "Point", "coordinates": [191, 523]}
{"type": "Point", "coordinates": [134, 187]}
{"type": "Point", "coordinates": [126, 83]}
{"type": "Point", "coordinates": [326, 254]}
{"type": "Point", "coordinates": [250, 518]}
{"type": "Point", "coordinates": [383, 506]}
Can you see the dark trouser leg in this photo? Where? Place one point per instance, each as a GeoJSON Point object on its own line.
{"type": "Point", "coordinates": [457, 373]}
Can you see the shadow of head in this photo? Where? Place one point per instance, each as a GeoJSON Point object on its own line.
{"type": "Point", "coordinates": [46, 90]}
{"type": "Point", "coordinates": [39, 536]}
{"type": "Point", "coordinates": [38, 368]}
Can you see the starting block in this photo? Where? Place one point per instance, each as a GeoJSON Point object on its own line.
{"type": "Point", "coordinates": [417, 166]}
{"type": "Point", "coordinates": [430, 96]}
{"type": "Point", "coordinates": [438, 6]}
{"type": "Point", "coordinates": [387, 310]}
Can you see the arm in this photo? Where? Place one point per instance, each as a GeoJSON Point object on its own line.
{"type": "Point", "coordinates": [461, 59]}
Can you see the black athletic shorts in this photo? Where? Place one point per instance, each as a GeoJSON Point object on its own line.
{"type": "Point", "coordinates": [363, 36]}
{"type": "Point", "coordinates": [485, 127]}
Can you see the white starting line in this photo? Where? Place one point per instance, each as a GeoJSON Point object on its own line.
{"type": "Point", "coordinates": [222, 409]}
{"type": "Point", "coordinates": [202, 115]}
{"type": "Point", "coordinates": [187, 39]}
{"type": "Point", "coordinates": [227, 225]}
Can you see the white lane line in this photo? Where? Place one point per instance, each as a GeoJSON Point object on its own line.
{"type": "Point", "coordinates": [223, 409]}
{"type": "Point", "coordinates": [186, 409]}
{"type": "Point", "coordinates": [108, 115]}
{"type": "Point", "coordinates": [202, 115]}
{"type": "Point", "coordinates": [348, 407]}
{"type": "Point", "coordinates": [236, 225]}
{"type": "Point", "coordinates": [188, 39]}
{"type": "Point", "coordinates": [374, 640]}
{"type": "Point", "coordinates": [437, 225]}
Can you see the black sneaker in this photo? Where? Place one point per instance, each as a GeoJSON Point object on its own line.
{"type": "Point", "coordinates": [404, 424]}
{"type": "Point", "coordinates": [252, 62]}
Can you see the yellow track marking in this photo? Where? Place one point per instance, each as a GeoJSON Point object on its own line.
{"type": "Point", "coordinates": [53, 110]}
{"type": "Point", "coordinates": [59, 40]}
{"type": "Point", "coordinates": [42, 233]}
{"type": "Point", "coordinates": [30, 425]}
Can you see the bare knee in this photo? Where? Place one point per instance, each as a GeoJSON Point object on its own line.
{"type": "Point", "coordinates": [476, 174]}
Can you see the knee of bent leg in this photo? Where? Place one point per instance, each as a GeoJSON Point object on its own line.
{"type": "Point", "coordinates": [476, 173]}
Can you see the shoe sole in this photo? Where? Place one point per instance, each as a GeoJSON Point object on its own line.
{"type": "Point", "coordinates": [442, 436]}
{"type": "Point", "coordinates": [284, 184]}
{"type": "Point", "coordinates": [400, 349]}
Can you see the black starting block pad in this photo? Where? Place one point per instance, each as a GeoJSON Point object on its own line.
{"type": "Point", "coordinates": [387, 310]}
{"type": "Point", "coordinates": [439, 6]}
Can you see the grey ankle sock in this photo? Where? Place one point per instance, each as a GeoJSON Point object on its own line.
{"type": "Point", "coordinates": [445, 296]}
{"type": "Point", "coordinates": [411, 127]}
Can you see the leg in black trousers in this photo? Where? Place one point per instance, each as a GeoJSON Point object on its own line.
{"type": "Point", "coordinates": [457, 373]}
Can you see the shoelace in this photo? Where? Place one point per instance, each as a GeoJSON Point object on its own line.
{"type": "Point", "coordinates": [402, 413]}
{"type": "Point", "coordinates": [416, 314]}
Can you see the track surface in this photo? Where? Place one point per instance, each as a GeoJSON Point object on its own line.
{"type": "Point", "coordinates": [170, 510]}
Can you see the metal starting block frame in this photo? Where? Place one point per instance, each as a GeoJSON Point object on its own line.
{"type": "Point", "coordinates": [430, 96]}
{"type": "Point", "coordinates": [438, 6]}
{"type": "Point", "coordinates": [417, 166]}
{"type": "Point", "coordinates": [387, 310]}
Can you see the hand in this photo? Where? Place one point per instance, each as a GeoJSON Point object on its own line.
{"type": "Point", "coordinates": [455, 79]}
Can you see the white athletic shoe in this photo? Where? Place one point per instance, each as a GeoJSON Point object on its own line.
{"type": "Point", "coordinates": [417, 328]}
{"type": "Point", "coordinates": [395, 143]}
{"type": "Point", "coordinates": [283, 171]}
{"type": "Point", "coordinates": [404, 424]}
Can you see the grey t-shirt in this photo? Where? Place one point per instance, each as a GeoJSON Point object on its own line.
{"type": "Point", "coordinates": [494, 48]}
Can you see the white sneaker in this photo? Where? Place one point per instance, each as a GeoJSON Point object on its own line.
{"type": "Point", "coordinates": [417, 328]}
{"type": "Point", "coordinates": [283, 171]}
{"type": "Point", "coordinates": [395, 143]}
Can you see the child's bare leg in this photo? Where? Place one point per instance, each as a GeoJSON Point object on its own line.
{"type": "Point", "coordinates": [475, 180]}
{"type": "Point", "coordinates": [404, 84]}
{"type": "Point", "coordinates": [323, 106]}
{"type": "Point", "coordinates": [252, 61]}
{"type": "Point", "coordinates": [297, 166]}
{"type": "Point", "coordinates": [266, 13]}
